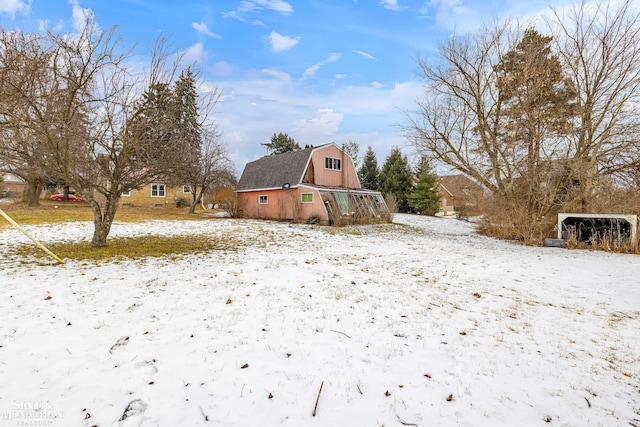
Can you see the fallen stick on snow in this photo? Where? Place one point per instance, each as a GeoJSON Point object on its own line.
{"type": "Point", "coordinates": [338, 332]}
{"type": "Point", "coordinates": [315, 408]}
{"type": "Point", "coordinates": [403, 423]}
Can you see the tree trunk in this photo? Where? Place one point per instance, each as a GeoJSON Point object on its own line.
{"type": "Point", "coordinates": [192, 206]}
{"type": "Point", "coordinates": [196, 199]}
{"type": "Point", "coordinates": [32, 191]}
{"type": "Point", "coordinates": [102, 220]}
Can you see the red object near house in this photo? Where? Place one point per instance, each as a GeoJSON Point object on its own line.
{"type": "Point", "coordinates": [317, 184]}
{"type": "Point", "coordinates": [72, 198]}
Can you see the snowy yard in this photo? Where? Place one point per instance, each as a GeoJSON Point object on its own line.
{"type": "Point", "coordinates": [421, 323]}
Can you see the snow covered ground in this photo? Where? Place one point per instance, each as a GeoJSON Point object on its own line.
{"type": "Point", "coordinates": [422, 322]}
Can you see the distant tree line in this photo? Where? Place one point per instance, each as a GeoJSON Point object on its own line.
{"type": "Point", "coordinates": [414, 190]}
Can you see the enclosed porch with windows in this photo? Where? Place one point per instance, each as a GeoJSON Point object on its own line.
{"type": "Point", "coordinates": [355, 207]}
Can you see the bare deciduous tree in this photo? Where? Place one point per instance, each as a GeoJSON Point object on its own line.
{"type": "Point", "coordinates": [493, 109]}
{"type": "Point", "coordinates": [75, 110]}
{"type": "Point", "coordinates": [213, 168]}
{"type": "Point", "coordinates": [27, 108]}
{"type": "Point", "coordinates": [599, 45]}
{"type": "Point", "coordinates": [459, 120]}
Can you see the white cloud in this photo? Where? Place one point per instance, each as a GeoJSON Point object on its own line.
{"type": "Point", "coordinates": [43, 24]}
{"type": "Point", "coordinates": [79, 15]}
{"type": "Point", "coordinates": [276, 5]}
{"type": "Point", "coordinates": [247, 6]}
{"type": "Point", "coordinates": [195, 54]}
{"type": "Point", "coordinates": [280, 43]}
{"type": "Point", "coordinates": [454, 15]}
{"type": "Point", "coordinates": [325, 122]}
{"type": "Point", "coordinates": [365, 54]}
{"type": "Point", "coordinates": [223, 68]}
{"type": "Point", "coordinates": [391, 4]}
{"type": "Point", "coordinates": [14, 6]}
{"type": "Point", "coordinates": [279, 75]}
{"type": "Point", "coordinates": [204, 29]}
{"type": "Point", "coordinates": [341, 76]}
{"type": "Point", "coordinates": [312, 70]}
{"type": "Point", "coordinates": [233, 15]}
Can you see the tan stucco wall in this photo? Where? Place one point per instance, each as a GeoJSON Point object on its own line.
{"type": "Point", "coordinates": [143, 197]}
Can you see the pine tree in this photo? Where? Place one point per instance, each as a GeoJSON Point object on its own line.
{"type": "Point", "coordinates": [185, 108]}
{"type": "Point", "coordinates": [538, 102]}
{"type": "Point", "coordinates": [538, 98]}
{"type": "Point", "coordinates": [396, 178]}
{"type": "Point", "coordinates": [369, 172]}
{"type": "Point", "coordinates": [152, 128]}
{"type": "Point", "coordinates": [281, 143]}
{"type": "Point", "coordinates": [425, 197]}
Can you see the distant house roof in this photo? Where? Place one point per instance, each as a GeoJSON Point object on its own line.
{"type": "Point", "coordinates": [459, 185]}
{"type": "Point", "coordinates": [274, 171]}
{"type": "Point", "coordinates": [10, 178]}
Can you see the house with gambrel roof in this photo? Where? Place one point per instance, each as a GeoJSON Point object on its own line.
{"type": "Point", "coordinates": [317, 184]}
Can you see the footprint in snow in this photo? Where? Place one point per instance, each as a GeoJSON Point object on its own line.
{"type": "Point", "coordinates": [133, 415]}
{"type": "Point", "coordinates": [148, 366]}
{"type": "Point", "coordinates": [120, 343]}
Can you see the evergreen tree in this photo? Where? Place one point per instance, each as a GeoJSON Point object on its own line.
{"type": "Point", "coordinates": [186, 110]}
{"type": "Point", "coordinates": [539, 106]}
{"type": "Point", "coordinates": [152, 128]}
{"type": "Point", "coordinates": [281, 143]}
{"type": "Point", "coordinates": [425, 197]}
{"type": "Point", "coordinates": [396, 178]}
{"type": "Point", "coordinates": [538, 99]}
{"type": "Point", "coordinates": [167, 128]}
{"type": "Point", "coordinates": [369, 172]}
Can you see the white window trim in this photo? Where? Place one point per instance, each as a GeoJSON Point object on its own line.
{"type": "Point", "coordinates": [159, 186]}
{"type": "Point", "coordinates": [186, 189]}
{"type": "Point", "coordinates": [332, 162]}
{"type": "Point", "coordinates": [304, 194]}
{"type": "Point", "coordinates": [126, 193]}
{"type": "Point", "coordinates": [266, 199]}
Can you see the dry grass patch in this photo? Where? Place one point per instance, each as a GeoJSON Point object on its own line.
{"type": "Point", "coordinates": [49, 212]}
{"type": "Point", "coordinates": [133, 247]}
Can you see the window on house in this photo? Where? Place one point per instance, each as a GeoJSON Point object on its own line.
{"type": "Point", "coordinates": [158, 190]}
{"type": "Point", "coordinates": [126, 193]}
{"type": "Point", "coordinates": [186, 189]}
{"type": "Point", "coordinates": [263, 200]}
{"type": "Point", "coordinates": [331, 163]}
{"type": "Point", "coordinates": [307, 197]}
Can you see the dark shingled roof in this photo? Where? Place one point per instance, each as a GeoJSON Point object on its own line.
{"type": "Point", "coordinates": [273, 171]}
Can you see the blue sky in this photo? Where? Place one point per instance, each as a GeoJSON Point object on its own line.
{"type": "Point", "coordinates": [320, 70]}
